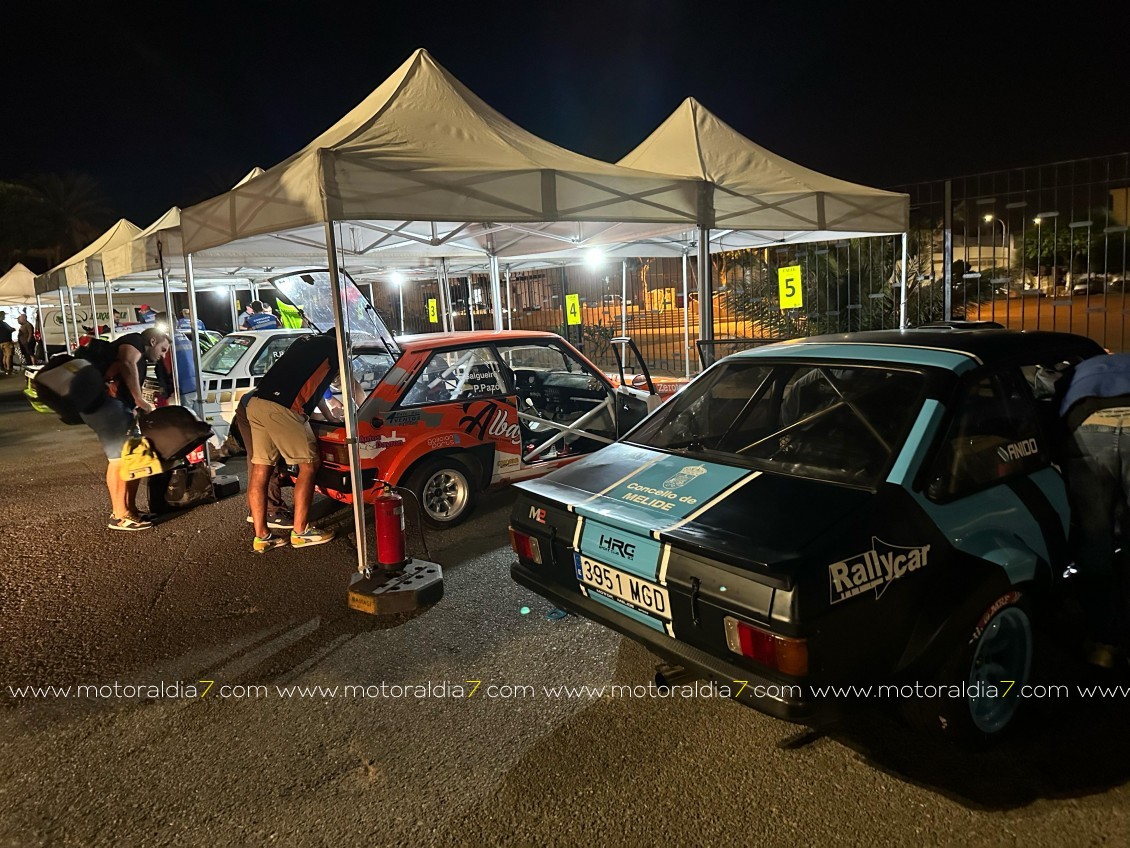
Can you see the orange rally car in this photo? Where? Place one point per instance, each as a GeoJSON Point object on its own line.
{"type": "Point", "coordinates": [448, 414]}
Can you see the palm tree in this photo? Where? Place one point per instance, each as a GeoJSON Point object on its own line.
{"type": "Point", "coordinates": [75, 211]}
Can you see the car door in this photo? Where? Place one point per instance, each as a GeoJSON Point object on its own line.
{"type": "Point", "coordinates": [992, 487]}
{"type": "Point", "coordinates": [636, 396]}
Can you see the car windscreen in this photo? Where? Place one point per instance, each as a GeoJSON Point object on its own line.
{"type": "Point", "coordinates": [835, 422]}
{"type": "Point", "coordinates": [223, 356]}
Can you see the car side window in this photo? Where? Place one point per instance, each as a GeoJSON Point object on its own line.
{"type": "Point", "coordinates": [452, 375]}
{"type": "Point", "coordinates": [270, 354]}
{"type": "Point", "coordinates": [994, 435]}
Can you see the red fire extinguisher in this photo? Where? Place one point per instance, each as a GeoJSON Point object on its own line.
{"type": "Point", "coordinates": [389, 508]}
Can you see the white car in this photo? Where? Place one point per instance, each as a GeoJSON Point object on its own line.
{"type": "Point", "coordinates": [234, 365]}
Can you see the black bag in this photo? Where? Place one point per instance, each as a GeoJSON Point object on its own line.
{"type": "Point", "coordinates": [70, 386]}
{"type": "Point", "coordinates": [99, 353]}
{"type": "Point", "coordinates": [174, 431]}
{"type": "Point", "coordinates": [188, 486]}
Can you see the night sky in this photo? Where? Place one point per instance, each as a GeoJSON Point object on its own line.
{"type": "Point", "coordinates": [168, 104]}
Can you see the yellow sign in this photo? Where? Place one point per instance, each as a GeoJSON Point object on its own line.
{"type": "Point", "coordinates": [433, 314]}
{"type": "Point", "coordinates": [573, 309]}
{"type": "Point", "coordinates": [792, 294]}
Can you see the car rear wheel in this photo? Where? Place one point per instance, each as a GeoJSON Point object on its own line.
{"type": "Point", "coordinates": [444, 490]}
{"type": "Point", "coordinates": [979, 687]}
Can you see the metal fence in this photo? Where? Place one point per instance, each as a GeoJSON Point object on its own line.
{"type": "Point", "coordinates": [1043, 247]}
{"type": "Point", "coordinates": [1034, 248]}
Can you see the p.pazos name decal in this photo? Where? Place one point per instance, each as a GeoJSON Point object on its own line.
{"type": "Point", "coordinates": [875, 569]}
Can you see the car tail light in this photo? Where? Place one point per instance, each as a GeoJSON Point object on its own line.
{"type": "Point", "coordinates": [778, 652]}
{"type": "Point", "coordinates": [525, 546]}
{"type": "Point", "coordinates": [335, 452]}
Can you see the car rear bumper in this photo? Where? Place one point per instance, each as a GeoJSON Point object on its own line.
{"type": "Point", "coordinates": [786, 701]}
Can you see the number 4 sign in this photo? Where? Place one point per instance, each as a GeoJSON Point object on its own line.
{"type": "Point", "coordinates": [573, 308]}
{"type": "Point", "coordinates": [788, 280]}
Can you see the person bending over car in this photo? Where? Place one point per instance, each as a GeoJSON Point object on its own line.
{"type": "Point", "coordinates": [128, 360]}
{"type": "Point", "coordinates": [285, 398]}
{"type": "Point", "coordinates": [1096, 412]}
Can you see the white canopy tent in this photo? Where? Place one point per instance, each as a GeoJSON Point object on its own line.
{"type": "Point", "coordinates": [756, 198]}
{"type": "Point", "coordinates": [424, 170]}
{"type": "Point", "coordinates": [83, 269]}
{"type": "Point", "coordinates": [17, 286]}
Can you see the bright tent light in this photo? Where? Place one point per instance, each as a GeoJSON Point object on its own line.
{"type": "Point", "coordinates": [397, 278]}
{"type": "Point", "coordinates": [594, 258]}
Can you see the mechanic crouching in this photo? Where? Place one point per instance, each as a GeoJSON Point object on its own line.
{"type": "Point", "coordinates": [1096, 412]}
{"type": "Point", "coordinates": [279, 416]}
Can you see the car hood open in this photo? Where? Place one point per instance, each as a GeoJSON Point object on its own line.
{"type": "Point", "coordinates": [312, 293]}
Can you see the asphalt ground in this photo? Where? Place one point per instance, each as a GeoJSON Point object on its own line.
{"type": "Point", "coordinates": [429, 763]}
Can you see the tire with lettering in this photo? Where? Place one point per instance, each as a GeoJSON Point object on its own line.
{"type": "Point", "coordinates": [445, 488]}
{"type": "Point", "coordinates": [978, 689]}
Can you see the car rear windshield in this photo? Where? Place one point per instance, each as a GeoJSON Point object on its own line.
{"type": "Point", "coordinates": [223, 356]}
{"type": "Point", "coordinates": [828, 422]}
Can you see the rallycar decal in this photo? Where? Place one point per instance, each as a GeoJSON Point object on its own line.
{"type": "Point", "coordinates": [875, 569]}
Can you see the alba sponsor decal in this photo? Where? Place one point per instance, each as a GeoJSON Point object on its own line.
{"type": "Point", "coordinates": [491, 421]}
{"type": "Point", "coordinates": [1018, 450]}
{"type": "Point", "coordinates": [875, 569]}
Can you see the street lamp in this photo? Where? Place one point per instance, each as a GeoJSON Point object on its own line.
{"type": "Point", "coordinates": [398, 281]}
{"type": "Point", "coordinates": [988, 219]}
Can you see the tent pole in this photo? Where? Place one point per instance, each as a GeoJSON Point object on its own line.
{"type": "Point", "coordinates": [686, 321]}
{"type": "Point", "coordinates": [345, 378]}
{"type": "Point", "coordinates": [94, 307]}
{"type": "Point", "coordinates": [42, 330]}
{"type": "Point", "coordinates": [902, 300]}
{"type": "Point", "coordinates": [444, 296]}
{"type": "Point", "coordinates": [509, 311]}
{"type": "Point", "coordinates": [624, 297]}
{"type": "Point", "coordinates": [234, 310]}
{"type": "Point", "coordinates": [705, 293]}
{"type": "Point", "coordinates": [495, 292]}
{"type": "Point", "coordinates": [110, 307]}
{"type": "Point", "coordinates": [470, 300]}
{"type": "Point", "coordinates": [190, 284]}
{"type": "Point", "coordinates": [172, 319]}
{"type": "Point", "coordinates": [74, 316]}
{"type": "Point", "coordinates": [66, 332]}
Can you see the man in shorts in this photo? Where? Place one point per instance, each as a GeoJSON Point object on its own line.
{"type": "Point", "coordinates": [113, 419]}
{"type": "Point", "coordinates": [279, 414]}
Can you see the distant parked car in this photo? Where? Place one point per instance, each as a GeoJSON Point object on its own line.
{"type": "Point", "coordinates": [1095, 284]}
{"type": "Point", "coordinates": [234, 365]}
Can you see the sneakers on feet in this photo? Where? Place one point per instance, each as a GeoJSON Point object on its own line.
{"type": "Point", "coordinates": [282, 521]}
{"type": "Point", "coordinates": [312, 536]}
{"type": "Point", "coordinates": [261, 546]}
{"type": "Point", "coordinates": [128, 523]}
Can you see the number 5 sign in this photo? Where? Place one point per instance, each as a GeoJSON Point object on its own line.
{"type": "Point", "coordinates": [788, 280]}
